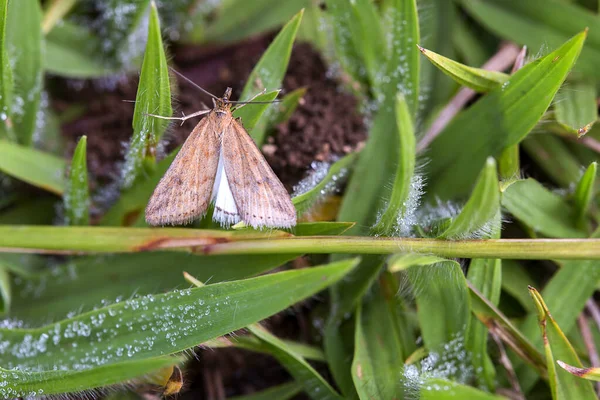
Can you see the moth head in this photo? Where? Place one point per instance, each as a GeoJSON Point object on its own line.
{"type": "Point", "coordinates": [223, 103]}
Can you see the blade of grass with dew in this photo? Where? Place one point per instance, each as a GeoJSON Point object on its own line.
{"type": "Point", "coordinates": [580, 280]}
{"type": "Point", "coordinates": [507, 114]}
{"type": "Point", "coordinates": [73, 51]}
{"type": "Point", "coordinates": [551, 154]}
{"type": "Point", "coordinates": [540, 209]}
{"type": "Point", "coordinates": [5, 289]}
{"type": "Point", "coordinates": [500, 325]}
{"type": "Point", "coordinates": [592, 374]}
{"type": "Point", "coordinates": [314, 385]}
{"type": "Point", "coordinates": [24, 35]}
{"type": "Point", "coordinates": [583, 195]}
{"type": "Point", "coordinates": [369, 40]}
{"type": "Point", "coordinates": [486, 276]}
{"type": "Point", "coordinates": [42, 383]}
{"type": "Point", "coordinates": [443, 304]}
{"type": "Point", "coordinates": [303, 202]}
{"type": "Point", "coordinates": [479, 214]}
{"type": "Point", "coordinates": [35, 167]}
{"type": "Point", "coordinates": [478, 79]}
{"type": "Point", "coordinates": [563, 385]}
{"type": "Point", "coordinates": [283, 392]}
{"type": "Point", "coordinates": [6, 79]}
{"type": "Point", "coordinates": [153, 97]}
{"type": "Point", "coordinates": [540, 24]}
{"type": "Point", "coordinates": [378, 353]}
{"type": "Point", "coordinates": [403, 65]}
{"type": "Point", "coordinates": [96, 281]}
{"type": "Point", "coordinates": [576, 108]}
{"type": "Point", "coordinates": [77, 196]}
{"type": "Point", "coordinates": [269, 71]}
{"type": "Point", "coordinates": [163, 324]}
{"type": "Point", "coordinates": [392, 219]}
{"type": "Point", "coordinates": [445, 389]}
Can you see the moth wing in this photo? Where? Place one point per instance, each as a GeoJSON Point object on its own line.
{"type": "Point", "coordinates": [184, 192]}
{"type": "Point", "coordinates": [260, 197]}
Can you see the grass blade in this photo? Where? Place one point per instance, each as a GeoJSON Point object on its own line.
{"type": "Point", "coordinates": [153, 97]}
{"type": "Point", "coordinates": [540, 209]}
{"type": "Point", "coordinates": [478, 217]}
{"type": "Point", "coordinates": [584, 193]}
{"type": "Point", "coordinates": [77, 197]}
{"type": "Point", "coordinates": [35, 167]}
{"type": "Point", "coordinates": [6, 79]}
{"type": "Point", "coordinates": [478, 79]}
{"type": "Point", "coordinates": [312, 382]}
{"type": "Point", "coordinates": [563, 385]}
{"type": "Point", "coordinates": [30, 383]}
{"type": "Point", "coordinates": [24, 35]}
{"type": "Point", "coordinates": [5, 289]}
{"type": "Point", "coordinates": [399, 205]}
{"type": "Point", "coordinates": [507, 114]}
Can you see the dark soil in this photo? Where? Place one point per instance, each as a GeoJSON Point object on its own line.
{"type": "Point", "coordinates": [325, 124]}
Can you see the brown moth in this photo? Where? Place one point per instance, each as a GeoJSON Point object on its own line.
{"type": "Point", "coordinates": [219, 162]}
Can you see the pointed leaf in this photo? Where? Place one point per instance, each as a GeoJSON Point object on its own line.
{"type": "Point", "coordinates": [77, 197]}
{"type": "Point", "coordinates": [478, 79]}
{"type": "Point", "coordinates": [153, 97]}
{"type": "Point", "coordinates": [507, 114]}
{"type": "Point", "coordinates": [592, 374]}
{"type": "Point", "coordinates": [24, 40]}
{"type": "Point", "coordinates": [562, 384]}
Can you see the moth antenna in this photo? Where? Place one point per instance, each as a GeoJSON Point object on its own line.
{"type": "Point", "coordinates": [182, 119]}
{"type": "Point", "coordinates": [193, 83]}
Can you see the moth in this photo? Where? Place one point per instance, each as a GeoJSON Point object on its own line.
{"type": "Point", "coordinates": [220, 163]}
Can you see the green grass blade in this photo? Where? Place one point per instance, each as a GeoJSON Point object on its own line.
{"type": "Point", "coordinates": [486, 276]}
{"type": "Point", "coordinates": [444, 389]}
{"type": "Point", "coordinates": [35, 167]}
{"type": "Point", "coordinates": [399, 204]}
{"type": "Point", "coordinates": [5, 289]}
{"type": "Point", "coordinates": [369, 40]}
{"type": "Point", "coordinates": [584, 193]}
{"type": "Point", "coordinates": [312, 382]}
{"type": "Point", "coordinates": [304, 201]}
{"type": "Point", "coordinates": [507, 114]}
{"type": "Point", "coordinates": [403, 66]}
{"type": "Point", "coordinates": [6, 79]}
{"type": "Point", "coordinates": [563, 385]}
{"type": "Point", "coordinates": [77, 196]}
{"type": "Point", "coordinates": [540, 24]}
{"type": "Point", "coordinates": [92, 281]}
{"type": "Point", "coordinates": [576, 109]}
{"type": "Point", "coordinates": [270, 69]}
{"type": "Point", "coordinates": [55, 12]}
{"type": "Point", "coordinates": [442, 302]}
{"type": "Point", "coordinates": [478, 216]}
{"type": "Point", "coordinates": [155, 325]}
{"type": "Point", "coordinates": [540, 209]}
{"type": "Point", "coordinates": [24, 35]}
{"type": "Point", "coordinates": [153, 97]}
{"type": "Point", "coordinates": [378, 356]}
{"type": "Point", "coordinates": [26, 383]}
{"type": "Point", "coordinates": [478, 79]}
{"type": "Point", "coordinates": [283, 392]}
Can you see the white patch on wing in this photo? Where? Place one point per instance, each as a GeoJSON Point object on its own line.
{"type": "Point", "coordinates": [225, 212]}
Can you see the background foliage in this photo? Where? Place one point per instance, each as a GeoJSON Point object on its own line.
{"type": "Point", "coordinates": [455, 153]}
